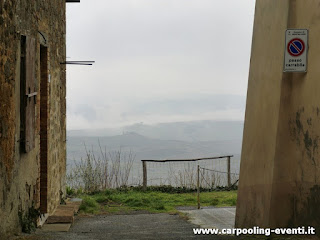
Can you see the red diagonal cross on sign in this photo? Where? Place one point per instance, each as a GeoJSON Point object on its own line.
{"type": "Point", "coordinates": [296, 47]}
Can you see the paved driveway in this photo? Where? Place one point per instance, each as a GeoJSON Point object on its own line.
{"type": "Point", "coordinates": [221, 217]}
{"type": "Point", "coordinates": [136, 226]}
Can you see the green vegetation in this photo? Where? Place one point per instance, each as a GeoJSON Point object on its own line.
{"type": "Point", "coordinates": [28, 221]}
{"type": "Point", "coordinates": [127, 200]}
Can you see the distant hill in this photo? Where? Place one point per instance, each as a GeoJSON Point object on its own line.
{"type": "Point", "coordinates": [183, 131]}
{"type": "Point", "coordinates": [190, 140]}
{"type": "Point", "coordinates": [191, 131]}
{"type": "Point", "coordinates": [147, 148]}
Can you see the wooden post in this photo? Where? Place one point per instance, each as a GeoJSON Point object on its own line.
{"type": "Point", "coordinates": [198, 186]}
{"type": "Point", "coordinates": [229, 175]}
{"type": "Point", "coordinates": [144, 168]}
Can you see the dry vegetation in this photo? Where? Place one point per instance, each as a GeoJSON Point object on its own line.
{"type": "Point", "coordinates": [102, 170]}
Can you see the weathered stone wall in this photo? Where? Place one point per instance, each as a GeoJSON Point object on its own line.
{"type": "Point", "coordinates": [280, 176]}
{"type": "Point", "coordinates": [20, 172]}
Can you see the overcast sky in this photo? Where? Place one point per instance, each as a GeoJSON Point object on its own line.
{"type": "Point", "coordinates": [157, 61]}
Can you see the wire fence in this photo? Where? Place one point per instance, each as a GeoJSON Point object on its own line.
{"type": "Point", "coordinates": [215, 172]}
{"type": "Point", "coordinates": [98, 171]}
{"type": "Point", "coordinates": [210, 178]}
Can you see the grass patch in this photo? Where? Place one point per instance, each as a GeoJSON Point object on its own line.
{"type": "Point", "coordinates": [89, 205]}
{"type": "Point", "coordinates": [124, 201]}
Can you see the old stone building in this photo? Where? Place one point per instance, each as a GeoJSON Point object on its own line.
{"type": "Point", "coordinates": [32, 109]}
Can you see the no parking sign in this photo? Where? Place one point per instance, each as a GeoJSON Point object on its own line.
{"type": "Point", "coordinates": [296, 49]}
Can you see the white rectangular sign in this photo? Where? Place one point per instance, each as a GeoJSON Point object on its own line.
{"type": "Point", "coordinates": [296, 50]}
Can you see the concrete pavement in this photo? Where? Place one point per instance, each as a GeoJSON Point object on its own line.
{"type": "Point", "coordinates": [212, 217]}
{"type": "Point", "coordinates": [128, 227]}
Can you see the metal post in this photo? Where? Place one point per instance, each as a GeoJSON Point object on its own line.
{"type": "Point", "coordinates": [198, 186]}
{"type": "Point", "coordinates": [144, 169]}
{"type": "Point", "coordinates": [229, 175]}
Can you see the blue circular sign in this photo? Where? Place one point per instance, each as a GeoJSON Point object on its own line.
{"type": "Point", "coordinates": [296, 47]}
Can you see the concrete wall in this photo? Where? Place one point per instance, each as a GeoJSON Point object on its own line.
{"type": "Point", "coordinates": [20, 172]}
{"type": "Point", "coordinates": [279, 182]}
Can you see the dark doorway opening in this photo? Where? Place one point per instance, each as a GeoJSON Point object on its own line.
{"type": "Point", "coordinates": [44, 129]}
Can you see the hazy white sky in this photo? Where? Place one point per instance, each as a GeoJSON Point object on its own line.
{"type": "Point", "coordinates": [157, 61]}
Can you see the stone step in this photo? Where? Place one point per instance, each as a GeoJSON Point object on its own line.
{"type": "Point", "coordinates": [65, 213]}
{"type": "Point", "coordinates": [56, 227]}
{"type": "Point", "coordinates": [75, 202]}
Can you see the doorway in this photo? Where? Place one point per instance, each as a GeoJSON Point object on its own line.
{"type": "Point", "coordinates": [43, 129]}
